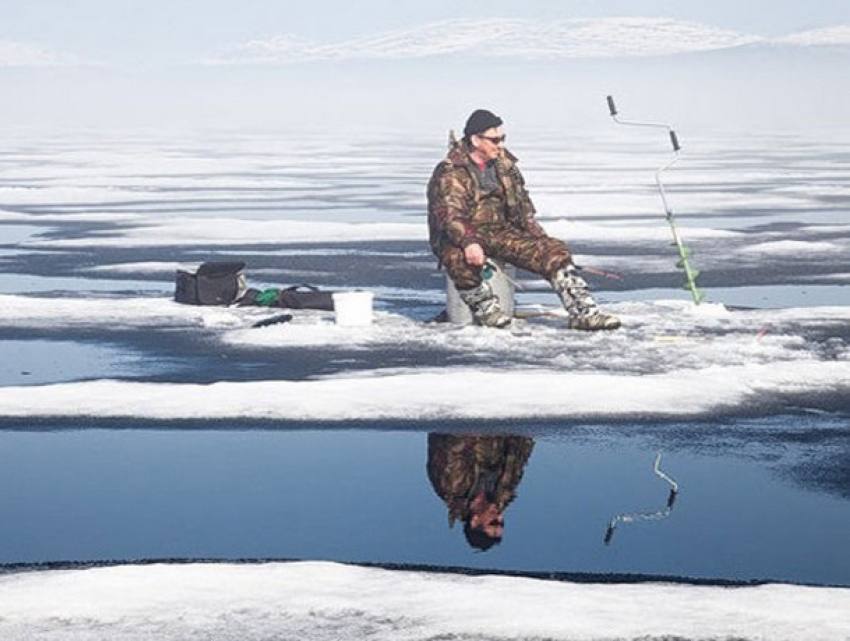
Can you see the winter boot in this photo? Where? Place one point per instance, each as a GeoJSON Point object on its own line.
{"type": "Point", "coordinates": [582, 309]}
{"type": "Point", "coordinates": [485, 306]}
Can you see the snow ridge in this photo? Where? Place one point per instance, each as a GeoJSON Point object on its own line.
{"type": "Point", "coordinates": [320, 600]}
{"type": "Point", "coordinates": [532, 394]}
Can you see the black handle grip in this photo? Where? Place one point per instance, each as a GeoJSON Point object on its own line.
{"type": "Point", "coordinates": [611, 106]}
{"type": "Point", "coordinates": [671, 499]}
{"type": "Point", "coordinates": [675, 140]}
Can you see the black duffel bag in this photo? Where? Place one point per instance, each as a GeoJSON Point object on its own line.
{"type": "Point", "coordinates": [290, 297]}
{"type": "Point", "coordinates": [214, 283]}
{"type": "Point", "coordinates": [312, 298]}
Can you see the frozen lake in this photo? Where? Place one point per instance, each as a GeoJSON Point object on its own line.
{"type": "Point", "coordinates": [137, 429]}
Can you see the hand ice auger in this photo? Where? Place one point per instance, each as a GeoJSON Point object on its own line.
{"type": "Point", "coordinates": [684, 252]}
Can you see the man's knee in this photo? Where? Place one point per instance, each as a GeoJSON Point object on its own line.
{"type": "Point", "coordinates": [542, 255]}
{"type": "Point", "coordinates": [463, 275]}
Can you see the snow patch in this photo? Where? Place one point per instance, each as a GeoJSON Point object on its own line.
{"type": "Point", "coordinates": [792, 248]}
{"type": "Point", "coordinates": [218, 231]}
{"type": "Point", "coordinates": [146, 267]}
{"type": "Point", "coordinates": [318, 600]}
{"type": "Point", "coordinates": [159, 232]}
{"type": "Point", "coordinates": [487, 394]}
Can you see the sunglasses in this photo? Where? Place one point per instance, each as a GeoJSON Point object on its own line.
{"type": "Point", "coordinates": [496, 140]}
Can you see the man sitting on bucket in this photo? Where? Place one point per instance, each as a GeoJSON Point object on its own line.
{"type": "Point", "coordinates": [478, 208]}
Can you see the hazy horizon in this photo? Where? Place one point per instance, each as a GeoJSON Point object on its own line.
{"type": "Point", "coordinates": [186, 68]}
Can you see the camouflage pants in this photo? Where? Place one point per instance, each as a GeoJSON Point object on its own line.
{"type": "Point", "coordinates": [541, 255]}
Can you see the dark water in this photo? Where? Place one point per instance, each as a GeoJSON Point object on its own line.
{"type": "Point", "coordinates": [37, 362]}
{"type": "Point", "coordinates": [758, 499]}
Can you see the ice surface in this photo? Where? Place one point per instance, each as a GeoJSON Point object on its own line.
{"type": "Point", "coordinates": [668, 362]}
{"type": "Point", "coordinates": [495, 395]}
{"type": "Point", "coordinates": [762, 214]}
{"type": "Point", "coordinates": [125, 204]}
{"type": "Point", "coordinates": [331, 601]}
{"type": "Point", "coordinates": [759, 209]}
{"type": "Point", "coordinates": [230, 232]}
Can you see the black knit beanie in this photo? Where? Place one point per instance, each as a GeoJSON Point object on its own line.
{"type": "Point", "coordinates": [480, 120]}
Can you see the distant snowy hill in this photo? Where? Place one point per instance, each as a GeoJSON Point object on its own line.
{"type": "Point", "coordinates": [521, 39]}
{"type": "Point", "coordinates": [25, 54]}
{"type": "Point", "coordinates": [831, 36]}
{"type": "Point", "coordinates": [527, 39]}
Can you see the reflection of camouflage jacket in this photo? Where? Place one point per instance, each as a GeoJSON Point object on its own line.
{"type": "Point", "coordinates": [456, 464]}
{"type": "Point", "coordinates": [457, 204]}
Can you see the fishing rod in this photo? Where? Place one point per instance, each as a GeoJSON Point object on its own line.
{"type": "Point", "coordinates": [684, 251]}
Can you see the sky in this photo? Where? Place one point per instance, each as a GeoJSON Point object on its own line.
{"type": "Point", "coordinates": [223, 62]}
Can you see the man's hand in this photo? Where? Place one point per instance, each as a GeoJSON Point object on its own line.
{"type": "Point", "coordinates": [474, 255]}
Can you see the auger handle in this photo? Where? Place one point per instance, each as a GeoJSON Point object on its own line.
{"type": "Point", "coordinates": [611, 106]}
{"type": "Point", "coordinates": [675, 140]}
{"type": "Point", "coordinates": [671, 499]}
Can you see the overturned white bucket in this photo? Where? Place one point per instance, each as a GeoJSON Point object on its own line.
{"type": "Point", "coordinates": [502, 282]}
{"type": "Point", "coordinates": [353, 309]}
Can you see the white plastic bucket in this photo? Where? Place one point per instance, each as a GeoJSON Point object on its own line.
{"type": "Point", "coordinates": [353, 308]}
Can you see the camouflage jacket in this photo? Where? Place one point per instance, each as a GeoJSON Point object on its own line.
{"type": "Point", "coordinates": [458, 205]}
{"type": "Point", "coordinates": [457, 462]}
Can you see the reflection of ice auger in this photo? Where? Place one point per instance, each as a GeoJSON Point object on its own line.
{"type": "Point", "coordinates": [646, 516]}
{"type": "Point", "coordinates": [684, 252]}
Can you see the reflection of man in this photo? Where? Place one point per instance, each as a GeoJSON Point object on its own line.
{"type": "Point", "coordinates": [479, 208]}
{"type": "Point", "coordinates": [477, 477]}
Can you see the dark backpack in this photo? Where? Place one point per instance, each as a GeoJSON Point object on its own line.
{"type": "Point", "coordinates": [214, 283]}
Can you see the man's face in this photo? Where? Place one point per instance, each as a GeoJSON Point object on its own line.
{"type": "Point", "coordinates": [489, 143]}
{"type": "Point", "coordinates": [485, 516]}
{"type": "Point", "coordinates": [489, 521]}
